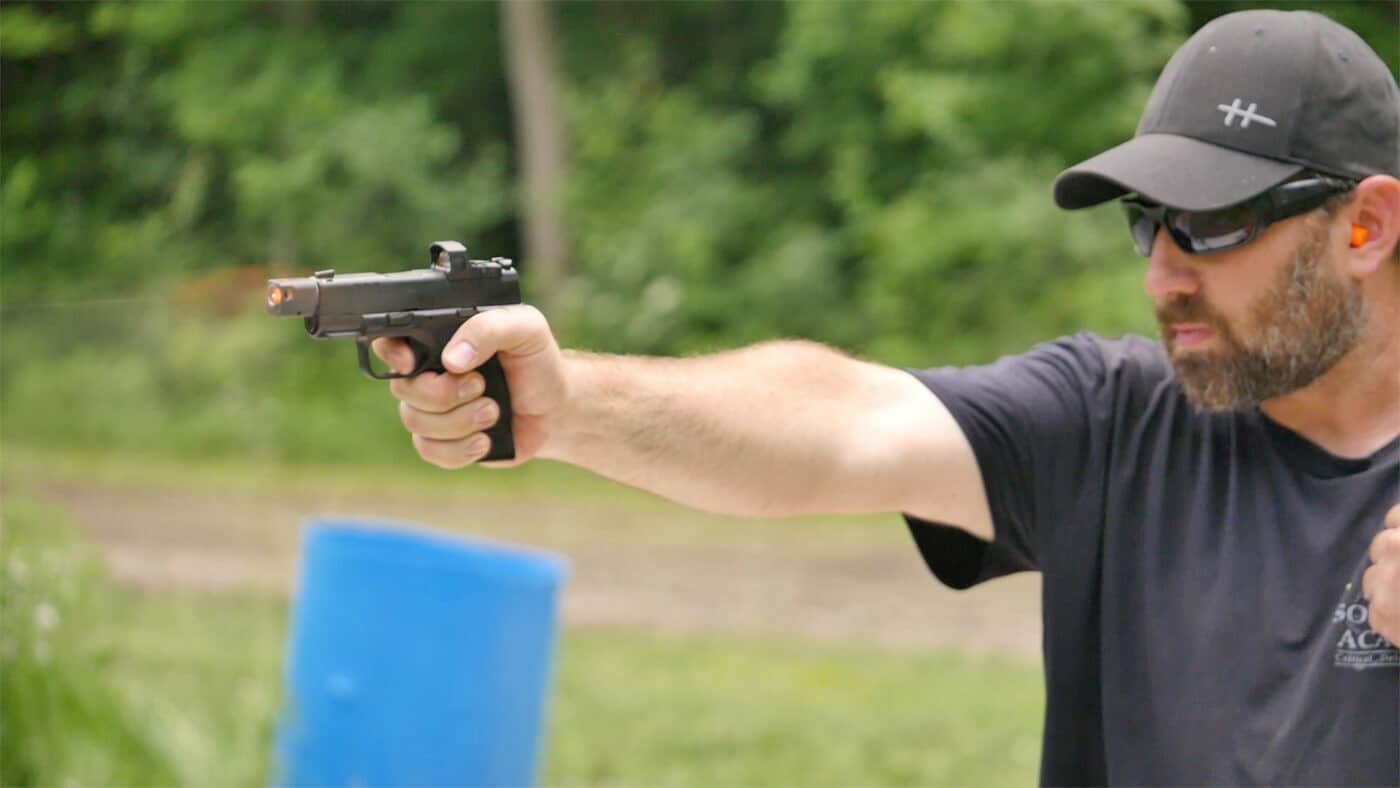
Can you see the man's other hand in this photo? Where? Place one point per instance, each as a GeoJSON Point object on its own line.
{"type": "Point", "coordinates": [1381, 583]}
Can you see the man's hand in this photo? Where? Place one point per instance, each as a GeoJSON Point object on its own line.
{"type": "Point", "coordinates": [1381, 583]}
{"type": "Point", "coordinates": [446, 412]}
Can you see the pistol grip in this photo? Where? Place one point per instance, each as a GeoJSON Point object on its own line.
{"type": "Point", "coordinates": [502, 440]}
{"type": "Point", "coordinates": [428, 337]}
{"type": "Point", "coordinates": [442, 331]}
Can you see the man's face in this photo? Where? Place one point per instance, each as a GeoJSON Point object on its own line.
{"type": "Point", "coordinates": [1289, 324]}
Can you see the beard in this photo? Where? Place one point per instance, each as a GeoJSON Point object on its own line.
{"type": "Point", "coordinates": [1298, 328]}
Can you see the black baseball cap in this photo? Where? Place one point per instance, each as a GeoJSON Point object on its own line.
{"type": "Point", "coordinates": [1249, 101]}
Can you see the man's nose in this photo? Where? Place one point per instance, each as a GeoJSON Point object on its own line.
{"type": "Point", "coordinates": [1170, 273]}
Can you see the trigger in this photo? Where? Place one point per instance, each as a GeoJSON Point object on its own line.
{"type": "Point", "coordinates": [367, 365]}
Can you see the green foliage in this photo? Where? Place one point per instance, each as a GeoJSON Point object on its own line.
{"type": "Point", "coordinates": [62, 718]}
{"type": "Point", "coordinates": [24, 32]}
{"type": "Point", "coordinates": [133, 378]}
{"type": "Point", "coordinates": [878, 179]}
{"type": "Point", "coordinates": [102, 685]}
{"type": "Point", "coordinates": [186, 137]}
{"type": "Point", "coordinates": [1374, 20]}
{"type": "Point", "coordinates": [872, 175]}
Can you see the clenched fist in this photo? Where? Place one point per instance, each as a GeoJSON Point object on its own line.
{"type": "Point", "coordinates": [446, 412]}
{"type": "Point", "coordinates": [1381, 583]}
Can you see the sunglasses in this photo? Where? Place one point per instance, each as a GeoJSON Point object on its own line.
{"type": "Point", "coordinates": [1206, 232]}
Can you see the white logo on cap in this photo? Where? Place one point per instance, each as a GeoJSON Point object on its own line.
{"type": "Point", "coordinates": [1246, 115]}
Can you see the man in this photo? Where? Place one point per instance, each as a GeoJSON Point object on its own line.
{"type": "Point", "coordinates": [1215, 517]}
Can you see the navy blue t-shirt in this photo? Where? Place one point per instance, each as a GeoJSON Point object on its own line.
{"type": "Point", "coordinates": [1203, 616]}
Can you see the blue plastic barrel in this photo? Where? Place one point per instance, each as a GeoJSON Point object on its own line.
{"type": "Point", "coordinates": [416, 659]}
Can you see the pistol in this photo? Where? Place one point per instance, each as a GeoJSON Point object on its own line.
{"type": "Point", "coordinates": [423, 306]}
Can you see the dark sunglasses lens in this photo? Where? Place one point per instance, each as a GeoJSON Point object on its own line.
{"type": "Point", "coordinates": [1142, 228]}
{"type": "Point", "coordinates": [1210, 231]}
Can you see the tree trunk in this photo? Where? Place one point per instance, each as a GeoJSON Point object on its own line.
{"type": "Point", "coordinates": [532, 68]}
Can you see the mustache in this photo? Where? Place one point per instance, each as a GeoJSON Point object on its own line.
{"type": "Point", "coordinates": [1186, 310]}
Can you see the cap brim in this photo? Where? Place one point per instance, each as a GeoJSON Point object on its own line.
{"type": "Point", "coordinates": [1179, 172]}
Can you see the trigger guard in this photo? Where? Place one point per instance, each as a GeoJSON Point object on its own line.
{"type": "Point", "coordinates": [422, 356]}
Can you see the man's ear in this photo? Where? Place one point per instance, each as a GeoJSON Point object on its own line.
{"type": "Point", "coordinates": [1375, 208]}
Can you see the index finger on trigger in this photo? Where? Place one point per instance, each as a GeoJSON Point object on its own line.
{"type": "Point", "coordinates": [394, 352]}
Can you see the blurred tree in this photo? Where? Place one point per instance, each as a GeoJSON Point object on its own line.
{"type": "Point", "coordinates": [873, 175]}
{"type": "Point", "coordinates": [146, 140]}
{"type": "Point", "coordinates": [1376, 21]}
{"type": "Point", "coordinates": [541, 146]}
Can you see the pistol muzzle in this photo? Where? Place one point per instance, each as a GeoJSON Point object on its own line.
{"type": "Point", "coordinates": [292, 297]}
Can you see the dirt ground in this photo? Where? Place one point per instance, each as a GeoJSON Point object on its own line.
{"type": "Point", "coordinates": [656, 568]}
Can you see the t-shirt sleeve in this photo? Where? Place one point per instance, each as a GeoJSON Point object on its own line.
{"type": "Point", "coordinates": [1032, 421]}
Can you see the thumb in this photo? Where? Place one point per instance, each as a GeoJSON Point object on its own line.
{"type": "Point", "coordinates": [1392, 517]}
{"type": "Point", "coordinates": [515, 330]}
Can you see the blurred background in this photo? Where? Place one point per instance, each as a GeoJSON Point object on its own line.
{"type": "Point", "coordinates": [672, 177]}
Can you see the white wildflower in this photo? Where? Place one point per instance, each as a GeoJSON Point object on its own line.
{"type": "Point", "coordinates": [45, 617]}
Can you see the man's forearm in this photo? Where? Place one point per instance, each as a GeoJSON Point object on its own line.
{"type": "Point", "coordinates": [776, 429]}
{"type": "Point", "coordinates": [757, 431]}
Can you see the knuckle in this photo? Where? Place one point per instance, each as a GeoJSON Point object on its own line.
{"type": "Point", "coordinates": [411, 418]}
{"type": "Point", "coordinates": [529, 315]}
{"type": "Point", "coordinates": [487, 413]}
{"type": "Point", "coordinates": [454, 424]}
{"type": "Point", "coordinates": [484, 327]}
{"type": "Point", "coordinates": [399, 387]}
{"type": "Point", "coordinates": [1383, 605]}
{"type": "Point", "coordinates": [472, 385]}
{"type": "Point", "coordinates": [535, 320]}
{"type": "Point", "coordinates": [467, 330]}
{"type": "Point", "coordinates": [1381, 585]}
{"type": "Point", "coordinates": [448, 455]}
{"type": "Point", "coordinates": [477, 446]}
{"type": "Point", "coordinates": [424, 448]}
{"type": "Point", "coordinates": [442, 392]}
{"type": "Point", "coordinates": [1388, 577]}
{"type": "Point", "coordinates": [515, 321]}
{"type": "Point", "coordinates": [1385, 543]}
{"type": "Point", "coordinates": [430, 392]}
{"type": "Point", "coordinates": [457, 423]}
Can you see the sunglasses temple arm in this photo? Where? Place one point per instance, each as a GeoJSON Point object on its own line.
{"type": "Point", "coordinates": [1293, 199]}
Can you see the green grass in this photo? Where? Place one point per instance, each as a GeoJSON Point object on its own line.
{"type": "Point", "coordinates": [26, 466]}
{"type": "Point", "coordinates": [637, 709]}
{"type": "Point", "coordinates": [108, 685]}
{"type": "Point", "coordinates": [63, 717]}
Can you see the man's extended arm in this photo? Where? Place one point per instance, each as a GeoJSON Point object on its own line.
{"type": "Point", "coordinates": [776, 429]}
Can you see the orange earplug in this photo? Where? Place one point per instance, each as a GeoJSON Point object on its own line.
{"type": "Point", "coordinates": [1359, 235]}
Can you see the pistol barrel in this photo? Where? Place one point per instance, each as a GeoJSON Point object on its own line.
{"type": "Point", "coordinates": [292, 297]}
